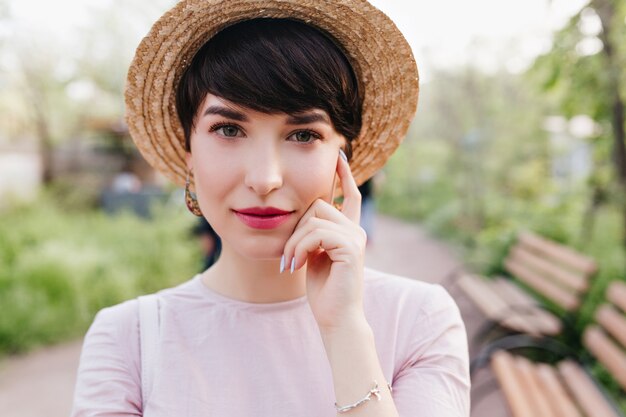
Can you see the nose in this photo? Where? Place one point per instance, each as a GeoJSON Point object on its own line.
{"type": "Point", "coordinates": [264, 170]}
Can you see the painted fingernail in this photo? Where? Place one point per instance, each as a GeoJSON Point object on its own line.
{"type": "Point", "coordinates": [282, 263]}
{"type": "Point", "coordinates": [293, 264]}
{"type": "Point", "coordinates": [343, 155]}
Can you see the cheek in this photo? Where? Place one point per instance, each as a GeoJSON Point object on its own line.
{"type": "Point", "coordinates": [211, 172]}
{"type": "Point", "coordinates": [213, 180]}
{"type": "Point", "coordinates": [313, 177]}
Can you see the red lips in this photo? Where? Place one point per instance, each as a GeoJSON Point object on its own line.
{"type": "Point", "coordinates": [263, 217]}
{"type": "Point", "coordinates": [262, 211]}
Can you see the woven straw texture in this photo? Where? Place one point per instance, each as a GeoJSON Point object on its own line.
{"type": "Point", "coordinates": [378, 52]}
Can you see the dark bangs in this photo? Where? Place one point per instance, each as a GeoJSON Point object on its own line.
{"type": "Point", "coordinates": [271, 66]}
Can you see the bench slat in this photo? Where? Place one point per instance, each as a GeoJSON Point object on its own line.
{"type": "Point", "coordinates": [504, 368]}
{"type": "Point", "coordinates": [555, 272]}
{"type": "Point", "coordinates": [607, 352]}
{"type": "Point", "coordinates": [545, 322]}
{"type": "Point", "coordinates": [617, 294]}
{"type": "Point", "coordinates": [552, 291]}
{"type": "Point", "coordinates": [492, 305]}
{"type": "Point", "coordinates": [531, 383]}
{"type": "Point", "coordinates": [584, 390]}
{"type": "Point", "coordinates": [561, 402]}
{"type": "Point", "coordinates": [514, 293]}
{"type": "Point", "coordinates": [612, 321]}
{"type": "Point", "coordinates": [567, 256]}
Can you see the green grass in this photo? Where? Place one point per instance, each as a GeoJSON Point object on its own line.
{"type": "Point", "coordinates": [59, 267]}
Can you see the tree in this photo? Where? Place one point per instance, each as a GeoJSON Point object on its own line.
{"type": "Point", "coordinates": [42, 91]}
{"type": "Point", "coordinates": [588, 79]}
{"type": "Point", "coordinates": [56, 85]}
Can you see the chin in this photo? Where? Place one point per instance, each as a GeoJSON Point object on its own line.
{"type": "Point", "coordinates": [262, 247]}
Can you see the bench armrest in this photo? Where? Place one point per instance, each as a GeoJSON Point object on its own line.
{"type": "Point", "coordinates": [521, 341]}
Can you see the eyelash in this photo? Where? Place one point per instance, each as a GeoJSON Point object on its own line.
{"type": "Point", "coordinates": [314, 135]}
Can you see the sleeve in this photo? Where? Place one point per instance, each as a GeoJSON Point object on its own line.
{"type": "Point", "coordinates": [108, 382]}
{"type": "Point", "coordinates": [434, 379]}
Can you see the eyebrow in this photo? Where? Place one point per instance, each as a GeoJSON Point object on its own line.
{"type": "Point", "coordinates": [226, 112]}
{"type": "Point", "coordinates": [294, 119]}
{"type": "Point", "coordinates": [302, 119]}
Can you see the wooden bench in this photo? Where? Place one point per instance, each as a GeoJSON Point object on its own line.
{"type": "Point", "coordinates": [567, 389]}
{"type": "Point", "coordinates": [557, 272]}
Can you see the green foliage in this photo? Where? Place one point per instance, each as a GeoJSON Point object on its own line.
{"type": "Point", "coordinates": [605, 247]}
{"type": "Point", "coordinates": [477, 172]}
{"type": "Point", "coordinates": [556, 215]}
{"type": "Point", "coordinates": [580, 83]}
{"type": "Point", "coordinates": [59, 268]}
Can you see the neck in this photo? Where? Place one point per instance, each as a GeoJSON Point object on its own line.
{"type": "Point", "coordinates": [253, 280]}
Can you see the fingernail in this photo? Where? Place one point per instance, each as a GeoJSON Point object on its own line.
{"type": "Point", "coordinates": [282, 263]}
{"type": "Point", "coordinates": [343, 155]}
{"type": "Point", "coordinates": [293, 264]}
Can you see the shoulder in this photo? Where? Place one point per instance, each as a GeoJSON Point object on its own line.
{"type": "Point", "coordinates": [408, 295]}
{"type": "Point", "coordinates": [417, 313]}
{"type": "Point", "coordinates": [419, 325]}
{"type": "Point", "coordinates": [420, 321]}
{"type": "Point", "coordinates": [122, 319]}
{"type": "Point", "coordinates": [119, 323]}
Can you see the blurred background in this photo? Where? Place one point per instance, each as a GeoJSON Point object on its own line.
{"type": "Point", "coordinates": [520, 126]}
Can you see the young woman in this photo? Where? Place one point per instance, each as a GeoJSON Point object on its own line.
{"type": "Point", "coordinates": [266, 111]}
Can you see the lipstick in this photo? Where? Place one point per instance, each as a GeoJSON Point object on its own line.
{"type": "Point", "coordinates": [263, 217]}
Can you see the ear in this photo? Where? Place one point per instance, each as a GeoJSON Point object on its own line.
{"type": "Point", "coordinates": [343, 142]}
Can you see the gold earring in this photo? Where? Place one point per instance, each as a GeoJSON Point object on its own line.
{"type": "Point", "coordinates": [190, 199]}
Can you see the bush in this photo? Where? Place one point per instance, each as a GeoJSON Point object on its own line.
{"type": "Point", "coordinates": [59, 268]}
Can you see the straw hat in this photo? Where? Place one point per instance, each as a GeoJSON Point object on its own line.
{"type": "Point", "coordinates": [379, 54]}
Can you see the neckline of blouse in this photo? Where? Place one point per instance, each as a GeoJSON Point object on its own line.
{"type": "Point", "coordinates": [280, 305]}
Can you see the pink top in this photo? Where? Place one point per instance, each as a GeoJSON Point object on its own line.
{"type": "Point", "coordinates": [228, 358]}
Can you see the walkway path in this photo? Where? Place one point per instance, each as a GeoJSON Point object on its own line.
{"type": "Point", "coordinates": [42, 383]}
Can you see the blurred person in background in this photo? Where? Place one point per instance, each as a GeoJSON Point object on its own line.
{"type": "Point", "coordinates": [368, 208]}
{"type": "Point", "coordinates": [210, 242]}
{"type": "Point", "coordinates": [126, 181]}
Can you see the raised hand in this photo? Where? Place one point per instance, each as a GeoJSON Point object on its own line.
{"type": "Point", "coordinates": [331, 243]}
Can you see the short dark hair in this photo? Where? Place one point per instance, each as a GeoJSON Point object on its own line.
{"type": "Point", "coordinates": [271, 66]}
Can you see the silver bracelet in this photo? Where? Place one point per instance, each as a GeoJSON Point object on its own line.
{"type": "Point", "coordinates": [374, 391]}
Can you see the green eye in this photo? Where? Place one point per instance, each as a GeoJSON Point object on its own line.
{"type": "Point", "coordinates": [303, 136]}
{"type": "Point", "coordinates": [226, 129]}
{"type": "Point", "coordinates": [230, 131]}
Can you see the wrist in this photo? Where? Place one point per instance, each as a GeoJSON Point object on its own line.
{"type": "Point", "coordinates": [354, 362]}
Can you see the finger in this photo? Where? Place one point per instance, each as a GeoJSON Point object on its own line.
{"type": "Point", "coordinates": [332, 189]}
{"type": "Point", "coordinates": [328, 240]}
{"type": "Point", "coordinates": [351, 194]}
{"type": "Point", "coordinates": [314, 223]}
{"type": "Point", "coordinates": [323, 210]}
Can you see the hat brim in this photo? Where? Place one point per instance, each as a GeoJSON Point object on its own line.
{"type": "Point", "coordinates": [379, 53]}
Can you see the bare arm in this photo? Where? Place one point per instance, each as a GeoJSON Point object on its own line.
{"type": "Point", "coordinates": [355, 366]}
